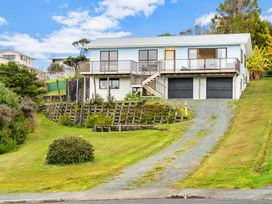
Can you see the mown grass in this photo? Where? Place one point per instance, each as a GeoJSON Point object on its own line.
{"type": "Point", "coordinates": [25, 170]}
{"type": "Point", "coordinates": [243, 158]}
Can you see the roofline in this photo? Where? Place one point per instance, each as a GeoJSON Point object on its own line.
{"type": "Point", "coordinates": [17, 52]}
{"type": "Point", "coordinates": [100, 45]}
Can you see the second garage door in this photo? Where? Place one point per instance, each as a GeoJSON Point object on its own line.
{"type": "Point", "coordinates": [219, 88]}
{"type": "Point", "coordinates": [180, 88]}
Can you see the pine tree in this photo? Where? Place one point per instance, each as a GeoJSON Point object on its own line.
{"type": "Point", "coordinates": [242, 16]}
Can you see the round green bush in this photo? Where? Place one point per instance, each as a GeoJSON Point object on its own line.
{"type": "Point", "coordinates": [70, 150]}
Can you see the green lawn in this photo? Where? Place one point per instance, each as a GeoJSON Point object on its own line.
{"type": "Point", "coordinates": [25, 170]}
{"type": "Point", "coordinates": [243, 158]}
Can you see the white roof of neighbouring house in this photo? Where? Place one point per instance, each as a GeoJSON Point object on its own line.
{"type": "Point", "coordinates": [174, 41]}
{"type": "Point", "coordinates": [14, 51]}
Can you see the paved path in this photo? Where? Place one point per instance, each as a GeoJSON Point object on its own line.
{"type": "Point", "coordinates": [210, 123]}
{"type": "Point", "coordinates": [170, 201]}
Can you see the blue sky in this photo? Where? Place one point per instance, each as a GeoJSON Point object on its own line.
{"type": "Point", "coordinates": [46, 28]}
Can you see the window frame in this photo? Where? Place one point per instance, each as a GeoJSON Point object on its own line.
{"type": "Point", "coordinates": [110, 81]}
{"type": "Point", "coordinates": [8, 56]}
{"type": "Point", "coordinates": [197, 52]}
{"type": "Point", "coordinates": [242, 57]}
{"type": "Point", "coordinates": [223, 48]}
{"type": "Point", "coordinates": [106, 64]}
{"type": "Point", "coordinates": [147, 59]}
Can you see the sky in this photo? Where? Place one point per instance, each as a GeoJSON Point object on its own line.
{"type": "Point", "coordinates": [47, 28]}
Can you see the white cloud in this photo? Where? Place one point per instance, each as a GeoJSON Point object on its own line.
{"type": "Point", "coordinates": [80, 24]}
{"type": "Point", "coordinates": [205, 19]}
{"type": "Point", "coordinates": [122, 8]}
{"type": "Point", "coordinates": [3, 21]}
{"type": "Point", "coordinates": [269, 10]}
{"type": "Point", "coordinates": [267, 18]}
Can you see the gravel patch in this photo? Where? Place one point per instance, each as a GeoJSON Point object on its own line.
{"type": "Point", "coordinates": [212, 117]}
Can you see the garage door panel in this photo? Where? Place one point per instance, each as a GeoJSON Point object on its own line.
{"type": "Point", "coordinates": [219, 88]}
{"type": "Point", "coordinates": [180, 88]}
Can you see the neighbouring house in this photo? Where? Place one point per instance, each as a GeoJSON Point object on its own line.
{"type": "Point", "coordinates": [68, 71]}
{"type": "Point", "coordinates": [193, 67]}
{"type": "Point", "coordinates": [21, 59]}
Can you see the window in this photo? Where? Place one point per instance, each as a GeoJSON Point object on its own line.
{"type": "Point", "coordinates": [193, 53]}
{"type": "Point", "coordinates": [245, 60]}
{"type": "Point", "coordinates": [113, 83]}
{"type": "Point", "coordinates": [9, 57]}
{"type": "Point", "coordinates": [109, 60]}
{"type": "Point", "coordinates": [242, 57]}
{"type": "Point", "coordinates": [148, 59]}
{"type": "Point", "coordinates": [221, 53]}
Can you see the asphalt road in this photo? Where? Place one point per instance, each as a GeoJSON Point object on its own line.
{"type": "Point", "coordinates": [170, 201]}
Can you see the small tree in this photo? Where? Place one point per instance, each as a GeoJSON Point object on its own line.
{"type": "Point", "coordinates": [258, 63]}
{"type": "Point", "coordinates": [81, 46]}
{"type": "Point", "coordinates": [55, 68]}
{"type": "Point", "coordinates": [75, 62]}
{"type": "Point", "coordinates": [186, 32]}
{"type": "Point", "coordinates": [21, 81]}
{"type": "Point", "coordinates": [166, 34]}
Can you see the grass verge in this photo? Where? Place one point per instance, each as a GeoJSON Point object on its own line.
{"type": "Point", "coordinates": [25, 170]}
{"type": "Point", "coordinates": [243, 158]}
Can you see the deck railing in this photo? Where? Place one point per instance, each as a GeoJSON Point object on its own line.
{"type": "Point", "coordinates": [180, 65]}
{"type": "Point", "coordinates": [120, 66]}
{"type": "Point", "coordinates": [150, 67]}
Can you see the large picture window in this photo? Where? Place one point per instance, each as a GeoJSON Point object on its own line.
{"type": "Point", "coordinates": [9, 57]}
{"type": "Point", "coordinates": [113, 83]}
{"type": "Point", "coordinates": [109, 60]}
{"type": "Point", "coordinates": [148, 59]}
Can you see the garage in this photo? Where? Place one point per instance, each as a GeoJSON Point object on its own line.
{"type": "Point", "coordinates": [219, 88]}
{"type": "Point", "coordinates": [180, 88]}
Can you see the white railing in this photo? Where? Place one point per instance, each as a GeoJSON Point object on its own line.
{"type": "Point", "coordinates": [121, 66]}
{"type": "Point", "coordinates": [150, 67]}
{"type": "Point", "coordinates": [180, 65]}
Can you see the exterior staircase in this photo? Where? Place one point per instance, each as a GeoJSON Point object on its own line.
{"type": "Point", "coordinates": [150, 89]}
{"type": "Point", "coordinates": [151, 78]}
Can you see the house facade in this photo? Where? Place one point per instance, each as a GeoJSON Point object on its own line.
{"type": "Point", "coordinates": [193, 67]}
{"type": "Point", "coordinates": [14, 56]}
{"type": "Point", "coordinates": [22, 59]}
{"type": "Point", "coordinates": [67, 72]}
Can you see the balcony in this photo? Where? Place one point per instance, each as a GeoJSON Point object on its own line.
{"type": "Point", "coordinates": [199, 65]}
{"type": "Point", "coordinates": [146, 68]}
{"type": "Point", "coordinates": [112, 67]}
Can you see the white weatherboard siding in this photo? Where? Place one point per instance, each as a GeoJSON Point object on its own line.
{"type": "Point", "coordinates": [128, 50]}
{"type": "Point", "coordinates": [118, 94]}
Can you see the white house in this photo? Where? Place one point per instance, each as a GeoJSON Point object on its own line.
{"type": "Point", "coordinates": [22, 59]}
{"type": "Point", "coordinates": [67, 72]}
{"type": "Point", "coordinates": [196, 67]}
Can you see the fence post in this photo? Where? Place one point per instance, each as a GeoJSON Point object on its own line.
{"type": "Point", "coordinates": [186, 109]}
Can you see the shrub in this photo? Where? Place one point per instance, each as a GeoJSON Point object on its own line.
{"type": "Point", "coordinates": [16, 119]}
{"type": "Point", "coordinates": [21, 81]}
{"type": "Point", "coordinates": [90, 122]}
{"type": "Point", "coordinates": [133, 96]}
{"type": "Point", "coordinates": [98, 119]}
{"type": "Point", "coordinates": [70, 150]}
{"type": "Point", "coordinates": [65, 120]}
{"type": "Point", "coordinates": [98, 99]}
